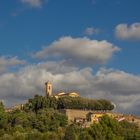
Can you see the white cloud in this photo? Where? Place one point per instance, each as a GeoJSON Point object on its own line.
{"type": "Point", "coordinates": [6, 62]}
{"type": "Point", "coordinates": [33, 3]}
{"type": "Point", "coordinates": [91, 31]}
{"type": "Point", "coordinates": [57, 67]}
{"type": "Point", "coordinates": [28, 4]}
{"type": "Point", "coordinates": [79, 51]}
{"type": "Point", "coordinates": [125, 32]}
{"type": "Point", "coordinates": [120, 87]}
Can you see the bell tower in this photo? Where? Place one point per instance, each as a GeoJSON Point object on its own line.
{"type": "Point", "coordinates": [48, 89]}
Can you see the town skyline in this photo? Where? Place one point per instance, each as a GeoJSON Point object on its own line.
{"type": "Point", "coordinates": [87, 46]}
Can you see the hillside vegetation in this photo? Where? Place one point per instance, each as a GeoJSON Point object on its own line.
{"type": "Point", "coordinates": [84, 103]}
{"type": "Point", "coordinates": [68, 103]}
{"type": "Point", "coordinates": [40, 120]}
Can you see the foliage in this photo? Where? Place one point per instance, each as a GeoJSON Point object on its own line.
{"type": "Point", "coordinates": [40, 102]}
{"type": "Point", "coordinates": [49, 120]}
{"type": "Point", "coordinates": [40, 120]}
{"type": "Point", "coordinates": [72, 132]}
{"type": "Point", "coordinates": [1, 106]}
{"type": "Point", "coordinates": [3, 117]}
{"type": "Point", "coordinates": [130, 131]}
{"type": "Point", "coordinates": [84, 103]}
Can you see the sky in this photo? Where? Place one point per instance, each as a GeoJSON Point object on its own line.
{"type": "Point", "coordinates": [88, 46]}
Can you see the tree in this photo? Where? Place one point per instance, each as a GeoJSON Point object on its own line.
{"type": "Point", "coordinates": [39, 102]}
{"type": "Point", "coordinates": [1, 106]}
{"type": "Point", "coordinates": [84, 135]}
{"type": "Point", "coordinates": [18, 117]}
{"type": "Point", "coordinates": [71, 133]}
{"type": "Point", "coordinates": [51, 136]}
{"type": "Point", "coordinates": [83, 103]}
{"type": "Point", "coordinates": [3, 117]}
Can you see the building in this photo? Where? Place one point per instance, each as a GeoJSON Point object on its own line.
{"type": "Point", "coordinates": [49, 92]}
{"type": "Point", "coordinates": [88, 117]}
{"type": "Point", "coordinates": [15, 107]}
{"type": "Point", "coordinates": [48, 89]}
{"type": "Point", "coordinates": [95, 117]}
{"type": "Point", "coordinates": [75, 115]}
{"type": "Point", "coordinates": [63, 94]}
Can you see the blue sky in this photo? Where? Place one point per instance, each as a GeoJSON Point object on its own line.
{"type": "Point", "coordinates": [33, 27]}
{"type": "Point", "coordinates": [27, 26]}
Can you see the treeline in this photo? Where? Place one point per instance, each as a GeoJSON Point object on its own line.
{"type": "Point", "coordinates": [84, 103]}
{"type": "Point", "coordinates": [39, 102]}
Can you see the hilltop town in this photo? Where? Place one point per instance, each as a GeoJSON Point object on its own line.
{"type": "Point", "coordinates": [66, 116]}
{"type": "Point", "coordinates": [84, 116]}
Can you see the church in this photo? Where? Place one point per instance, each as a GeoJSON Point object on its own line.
{"type": "Point", "coordinates": [49, 92]}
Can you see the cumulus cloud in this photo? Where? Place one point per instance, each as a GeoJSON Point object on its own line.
{"type": "Point", "coordinates": [91, 31]}
{"type": "Point", "coordinates": [6, 62]}
{"type": "Point", "coordinates": [79, 51]}
{"type": "Point", "coordinates": [57, 67]}
{"type": "Point", "coordinates": [120, 87]}
{"type": "Point", "coordinates": [125, 32]}
{"type": "Point", "coordinates": [119, 81]}
{"type": "Point", "coordinates": [33, 3]}
{"type": "Point", "coordinates": [29, 81]}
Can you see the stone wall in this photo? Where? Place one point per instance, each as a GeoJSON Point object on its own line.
{"type": "Point", "coordinates": [72, 114]}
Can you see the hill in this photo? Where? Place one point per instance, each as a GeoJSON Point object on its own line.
{"type": "Point", "coordinates": [40, 119]}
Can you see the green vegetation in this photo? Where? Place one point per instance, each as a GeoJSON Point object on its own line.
{"type": "Point", "coordinates": [106, 129]}
{"type": "Point", "coordinates": [39, 102]}
{"type": "Point", "coordinates": [83, 103]}
{"type": "Point", "coordinates": [39, 119]}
